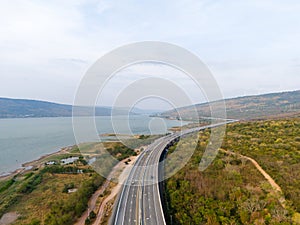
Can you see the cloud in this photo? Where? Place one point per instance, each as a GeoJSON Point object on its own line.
{"type": "Point", "coordinates": [251, 46]}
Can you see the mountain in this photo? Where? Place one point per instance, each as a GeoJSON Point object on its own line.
{"type": "Point", "coordinates": [21, 108]}
{"type": "Point", "coordinates": [247, 107]}
{"type": "Point", "coordinates": [146, 111]}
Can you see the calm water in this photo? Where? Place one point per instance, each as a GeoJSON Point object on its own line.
{"type": "Point", "coordinates": [23, 140]}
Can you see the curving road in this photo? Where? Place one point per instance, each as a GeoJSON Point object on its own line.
{"type": "Point", "coordinates": [139, 201]}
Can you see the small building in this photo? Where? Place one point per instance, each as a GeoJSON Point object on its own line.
{"type": "Point", "coordinates": [69, 160]}
{"type": "Point", "coordinates": [72, 190]}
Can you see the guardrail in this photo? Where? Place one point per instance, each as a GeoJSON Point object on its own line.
{"type": "Point", "coordinates": [168, 139]}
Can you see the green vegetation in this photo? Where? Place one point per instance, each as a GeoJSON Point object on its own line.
{"type": "Point", "coordinates": [275, 146]}
{"type": "Point", "coordinates": [30, 184]}
{"type": "Point", "coordinates": [232, 190]}
{"type": "Point", "coordinates": [92, 216]}
{"type": "Point", "coordinates": [5, 185]}
{"type": "Point", "coordinates": [67, 211]}
{"type": "Point", "coordinates": [143, 137]}
{"type": "Point", "coordinates": [42, 196]}
{"type": "Point", "coordinates": [121, 152]}
{"type": "Point", "coordinates": [66, 169]}
{"type": "Point", "coordinates": [67, 187]}
{"type": "Point", "coordinates": [248, 107]}
{"type": "Point", "coordinates": [142, 140]}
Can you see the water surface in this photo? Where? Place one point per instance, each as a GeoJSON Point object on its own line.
{"type": "Point", "coordinates": [26, 139]}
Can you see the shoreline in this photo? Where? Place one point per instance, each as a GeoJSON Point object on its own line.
{"type": "Point", "coordinates": [26, 166]}
{"type": "Point", "coordinates": [62, 150]}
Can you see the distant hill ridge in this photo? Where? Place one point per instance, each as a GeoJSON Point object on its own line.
{"type": "Point", "coordinates": [248, 107]}
{"type": "Point", "coordinates": [22, 108]}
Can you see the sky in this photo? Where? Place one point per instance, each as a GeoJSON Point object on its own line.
{"type": "Point", "coordinates": [46, 47]}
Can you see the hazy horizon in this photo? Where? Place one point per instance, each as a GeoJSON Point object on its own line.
{"type": "Point", "coordinates": [47, 47]}
{"type": "Point", "coordinates": [142, 108]}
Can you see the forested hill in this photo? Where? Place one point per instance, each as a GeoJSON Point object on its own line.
{"type": "Point", "coordinates": [248, 107]}
{"type": "Point", "coordinates": [21, 108]}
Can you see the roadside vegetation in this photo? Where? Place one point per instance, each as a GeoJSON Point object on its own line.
{"type": "Point", "coordinates": [55, 193]}
{"type": "Point", "coordinates": [275, 145]}
{"type": "Point", "coordinates": [232, 190]}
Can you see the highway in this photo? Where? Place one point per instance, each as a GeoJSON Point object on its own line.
{"type": "Point", "coordinates": [139, 201]}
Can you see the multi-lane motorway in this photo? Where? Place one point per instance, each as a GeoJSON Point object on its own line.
{"type": "Point", "coordinates": [139, 201]}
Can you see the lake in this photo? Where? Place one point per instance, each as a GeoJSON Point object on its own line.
{"type": "Point", "coordinates": [25, 139]}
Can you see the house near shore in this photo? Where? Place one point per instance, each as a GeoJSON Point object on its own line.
{"type": "Point", "coordinates": [50, 163]}
{"type": "Point", "coordinates": [70, 160]}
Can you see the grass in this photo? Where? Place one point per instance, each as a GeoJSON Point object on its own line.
{"type": "Point", "coordinates": [38, 204]}
{"type": "Point", "coordinates": [231, 190]}
{"type": "Point", "coordinates": [39, 196]}
{"type": "Point", "coordinates": [275, 145]}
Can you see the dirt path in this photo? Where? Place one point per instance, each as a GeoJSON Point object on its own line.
{"type": "Point", "coordinates": [93, 200]}
{"type": "Point", "coordinates": [101, 211]}
{"type": "Point", "coordinates": [8, 218]}
{"type": "Point", "coordinates": [274, 185]}
{"type": "Point", "coordinates": [92, 203]}
{"type": "Point", "coordinates": [114, 192]}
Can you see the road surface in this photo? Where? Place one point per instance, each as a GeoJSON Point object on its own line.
{"type": "Point", "coordinates": [139, 201]}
